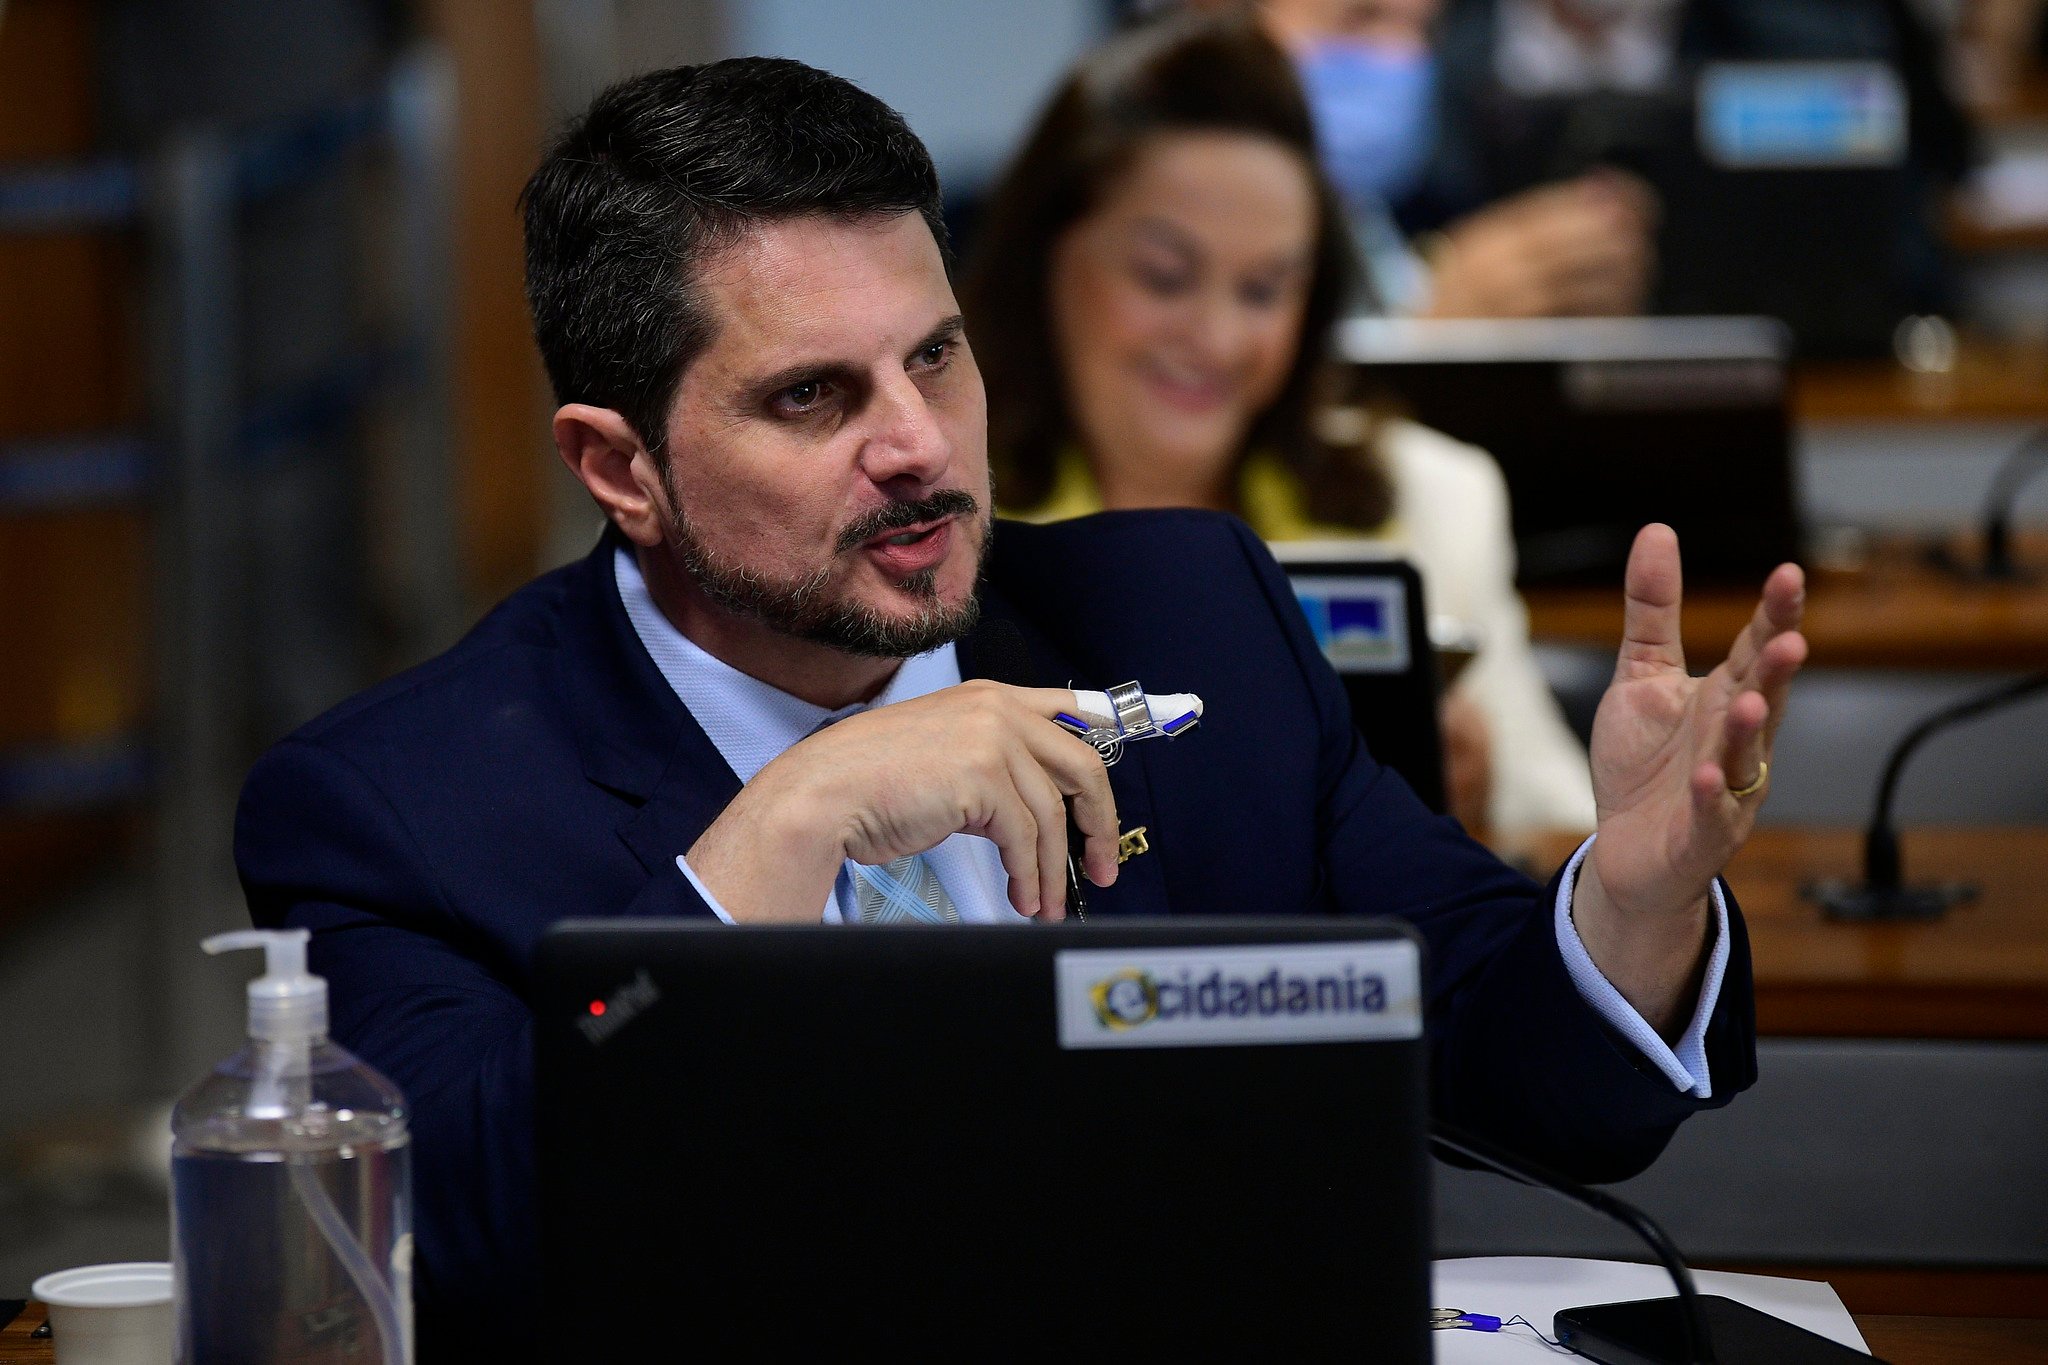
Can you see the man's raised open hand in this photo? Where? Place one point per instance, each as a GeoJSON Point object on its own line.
{"type": "Point", "coordinates": [1677, 763]}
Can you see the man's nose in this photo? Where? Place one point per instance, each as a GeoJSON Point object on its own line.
{"type": "Point", "coordinates": [908, 446]}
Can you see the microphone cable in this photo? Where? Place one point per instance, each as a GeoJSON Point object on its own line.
{"type": "Point", "coordinates": [1448, 1138]}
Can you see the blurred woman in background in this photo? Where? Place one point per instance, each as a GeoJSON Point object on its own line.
{"type": "Point", "coordinates": [1150, 299]}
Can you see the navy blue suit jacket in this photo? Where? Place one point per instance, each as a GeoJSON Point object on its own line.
{"type": "Point", "coordinates": [430, 830]}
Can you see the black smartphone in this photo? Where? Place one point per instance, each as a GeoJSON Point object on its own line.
{"type": "Point", "coordinates": [1651, 1332]}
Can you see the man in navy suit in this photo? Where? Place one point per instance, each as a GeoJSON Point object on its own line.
{"type": "Point", "coordinates": [768, 685]}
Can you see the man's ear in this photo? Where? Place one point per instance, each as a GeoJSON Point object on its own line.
{"type": "Point", "coordinates": [607, 456]}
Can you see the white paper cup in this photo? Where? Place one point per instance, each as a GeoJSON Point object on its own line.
{"type": "Point", "coordinates": [110, 1314]}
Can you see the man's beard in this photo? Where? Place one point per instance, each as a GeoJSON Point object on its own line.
{"type": "Point", "coordinates": [800, 607]}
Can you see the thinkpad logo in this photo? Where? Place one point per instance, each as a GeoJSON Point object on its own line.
{"type": "Point", "coordinates": [603, 1018]}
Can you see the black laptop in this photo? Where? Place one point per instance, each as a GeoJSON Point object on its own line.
{"type": "Point", "coordinates": [1601, 425]}
{"type": "Point", "coordinates": [1119, 1140]}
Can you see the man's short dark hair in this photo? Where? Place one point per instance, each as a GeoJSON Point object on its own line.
{"type": "Point", "coordinates": [664, 169]}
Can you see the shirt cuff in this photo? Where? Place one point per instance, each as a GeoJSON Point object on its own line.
{"type": "Point", "coordinates": [712, 900]}
{"type": "Point", "coordinates": [1685, 1063]}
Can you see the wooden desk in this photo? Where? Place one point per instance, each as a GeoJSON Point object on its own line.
{"type": "Point", "coordinates": [1956, 1341]}
{"type": "Point", "coordinates": [1898, 611]}
{"type": "Point", "coordinates": [1990, 382]}
{"type": "Point", "coordinates": [15, 1346]}
{"type": "Point", "coordinates": [1900, 1340]}
{"type": "Point", "coordinates": [1981, 973]}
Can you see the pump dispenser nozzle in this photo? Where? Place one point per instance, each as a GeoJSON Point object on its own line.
{"type": "Point", "coordinates": [287, 1004]}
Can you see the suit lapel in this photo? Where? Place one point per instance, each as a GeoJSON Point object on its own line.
{"type": "Point", "coordinates": [1140, 887]}
{"type": "Point", "coordinates": [638, 740]}
{"type": "Point", "coordinates": [635, 737]}
{"type": "Point", "coordinates": [697, 787]}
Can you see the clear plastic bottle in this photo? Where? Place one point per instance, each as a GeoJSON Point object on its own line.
{"type": "Point", "coordinates": [291, 1193]}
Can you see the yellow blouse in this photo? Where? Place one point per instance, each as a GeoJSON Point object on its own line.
{"type": "Point", "coordinates": [1268, 495]}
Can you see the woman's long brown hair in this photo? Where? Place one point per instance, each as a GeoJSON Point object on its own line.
{"type": "Point", "coordinates": [1187, 73]}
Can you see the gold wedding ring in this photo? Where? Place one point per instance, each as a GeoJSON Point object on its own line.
{"type": "Point", "coordinates": [1763, 774]}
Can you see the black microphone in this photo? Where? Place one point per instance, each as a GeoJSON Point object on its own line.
{"type": "Point", "coordinates": [1447, 1138]}
{"type": "Point", "coordinates": [1883, 893]}
{"type": "Point", "coordinates": [2026, 460]}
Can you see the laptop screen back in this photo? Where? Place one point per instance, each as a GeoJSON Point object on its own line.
{"type": "Point", "coordinates": [1602, 425]}
{"type": "Point", "coordinates": [1369, 615]}
{"type": "Point", "coordinates": [1155, 1136]}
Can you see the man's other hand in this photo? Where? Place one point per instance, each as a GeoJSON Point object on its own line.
{"type": "Point", "coordinates": [1678, 764]}
{"type": "Point", "coordinates": [980, 758]}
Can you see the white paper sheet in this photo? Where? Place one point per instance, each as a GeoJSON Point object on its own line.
{"type": "Point", "coordinates": [1537, 1286]}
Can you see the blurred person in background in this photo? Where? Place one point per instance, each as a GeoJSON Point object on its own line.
{"type": "Point", "coordinates": [1576, 247]}
{"type": "Point", "coordinates": [1515, 79]}
{"type": "Point", "coordinates": [1151, 297]}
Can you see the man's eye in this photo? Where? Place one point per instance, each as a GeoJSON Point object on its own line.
{"type": "Point", "coordinates": [801, 399]}
{"type": "Point", "coordinates": [934, 355]}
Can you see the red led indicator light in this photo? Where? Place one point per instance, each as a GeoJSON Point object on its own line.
{"type": "Point", "coordinates": [597, 1008]}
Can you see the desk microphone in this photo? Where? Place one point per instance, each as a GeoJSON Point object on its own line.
{"type": "Point", "coordinates": [2029, 458]}
{"type": "Point", "coordinates": [2012, 477]}
{"type": "Point", "coordinates": [1883, 894]}
{"type": "Point", "coordinates": [1455, 1142]}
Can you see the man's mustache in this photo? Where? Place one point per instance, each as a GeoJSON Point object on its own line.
{"type": "Point", "coordinates": [946, 502]}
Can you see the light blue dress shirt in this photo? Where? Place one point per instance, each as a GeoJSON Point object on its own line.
{"type": "Point", "coordinates": [751, 723]}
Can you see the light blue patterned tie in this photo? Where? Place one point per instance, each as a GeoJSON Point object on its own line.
{"type": "Point", "coordinates": [907, 891]}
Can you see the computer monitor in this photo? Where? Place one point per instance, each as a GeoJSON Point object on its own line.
{"type": "Point", "coordinates": [1367, 610]}
{"type": "Point", "coordinates": [1154, 1138]}
{"type": "Point", "coordinates": [1783, 188]}
{"type": "Point", "coordinates": [1601, 425]}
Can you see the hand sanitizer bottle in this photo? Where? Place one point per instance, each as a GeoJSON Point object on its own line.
{"type": "Point", "coordinates": [291, 1194]}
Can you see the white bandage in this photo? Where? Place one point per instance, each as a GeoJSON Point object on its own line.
{"type": "Point", "coordinates": [1166, 708]}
